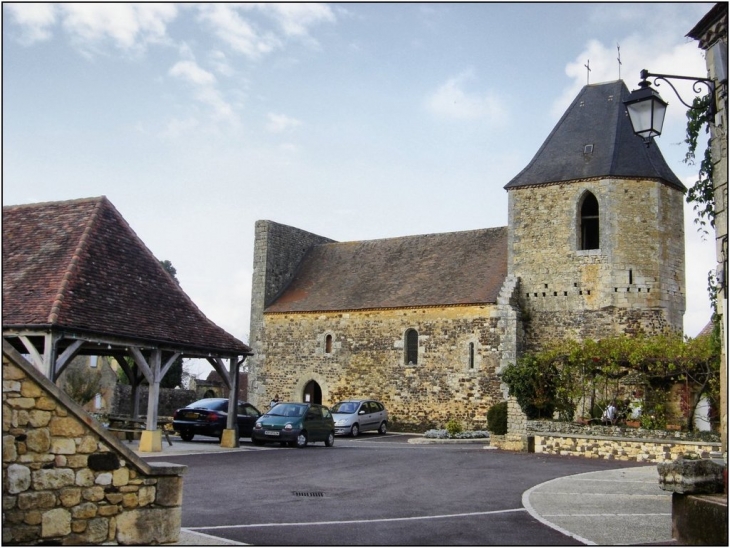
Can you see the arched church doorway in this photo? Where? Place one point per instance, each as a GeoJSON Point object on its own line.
{"type": "Point", "coordinates": [312, 393]}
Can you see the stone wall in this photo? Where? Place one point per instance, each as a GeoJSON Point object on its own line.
{"type": "Point", "coordinates": [537, 426]}
{"type": "Point", "coordinates": [170, 399]}
{"type": "Point", "coordinates": [367, 360]}
{"type": "Point", "coordinates": [634, 281]}
{"type": "Point", "coordinates": [714, 41]}
{"type": "Point", "coordinates": [620, 448]}
{"type": "Point", "coordinates": [278, 251]}
{"type": "Point", "coordinates": [66, 481]}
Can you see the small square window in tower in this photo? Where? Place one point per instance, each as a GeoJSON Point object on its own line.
{"type": "Point", "coordinates": [589, 228]}
{"type": "Point", "coordinates": [411, 357]}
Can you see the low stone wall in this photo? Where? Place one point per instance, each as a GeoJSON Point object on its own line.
{"type": "Point", "coordinates": [620, 448]}
{"type": "Point", "coordinates": [66, 481]}
{"type": "Point", "coordinates": [538, 427]}
{"type": "Point", "coordinates": [603, 442]}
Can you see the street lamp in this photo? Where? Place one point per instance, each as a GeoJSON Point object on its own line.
{"type": "Point", "coordinates": [646, 108]}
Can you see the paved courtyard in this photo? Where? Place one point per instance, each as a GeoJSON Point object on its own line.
{"type": "Point", "coordinates": [379, 490]}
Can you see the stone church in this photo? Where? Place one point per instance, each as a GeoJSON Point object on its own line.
{"type": "Point", "coordinates": [594, 247]}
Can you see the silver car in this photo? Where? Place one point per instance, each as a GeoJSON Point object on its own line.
{"type": "Point", "coordinates": [355, 416]}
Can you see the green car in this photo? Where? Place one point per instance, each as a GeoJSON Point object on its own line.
{"type": "Point", "coordinates": [295, 424]}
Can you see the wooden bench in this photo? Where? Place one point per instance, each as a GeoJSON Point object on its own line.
{"type": "Point", "coordinates": [128, 425]}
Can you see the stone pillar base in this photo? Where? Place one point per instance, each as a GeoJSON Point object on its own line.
{"type": "Point", "coordinates": [512, 442]}
{"type": "Point", "coordinates": [150, 441]}
{"type": "Point", "coordinates": [699, 519]}
{"type": "Point", "coordinates": [230, 438]}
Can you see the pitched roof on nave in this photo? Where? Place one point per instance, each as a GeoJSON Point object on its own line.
{"type": "Point", "coordinates": [455, 268]}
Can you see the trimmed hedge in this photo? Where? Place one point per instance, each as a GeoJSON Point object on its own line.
{"type": "Point", "coordinates": [497, 419]}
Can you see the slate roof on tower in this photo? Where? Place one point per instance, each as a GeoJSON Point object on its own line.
{"type": "Point", "coordinates": [78, 265]}
{"type": "Point", "coordinates": [594, 138]}
{"type": "Point", "coordinates": [429, 270]}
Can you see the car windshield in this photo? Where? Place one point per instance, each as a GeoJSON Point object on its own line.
{"type": "Point", "coordinates": [210, 403]}
{"type": "Point", "coordinates": [347, 407]}
{"type": "Point", "coordinates": [288, 410]}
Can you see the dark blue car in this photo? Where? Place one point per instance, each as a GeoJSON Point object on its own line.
{"type": "Point", "coordinates": [209, 417]}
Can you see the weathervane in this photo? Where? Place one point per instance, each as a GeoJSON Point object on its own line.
{"type": "Point", "coordinates": [588, 73]}
{"type": "Point", "coordinates": [619, 61]}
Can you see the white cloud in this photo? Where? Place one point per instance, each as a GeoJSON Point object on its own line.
{"type": "Point", "coordinates": [192, 73]}
{"type": "Point", "coordinates": [127, 26]}
{"type": "Point", "coordinates": [222, 110]}
{"type": "Point", "coordinates": [657, 50]}
{"type": "Point", "coordinates": [34, 20]}
{"type": "Point", "coordinates": [236, 31]}
{"type": "Point", "coordinates": [244, 36]}
{"type": "Point", "coordinates": [279, 123]}
{"type": "Point", "coordinates": [220, 62]}
{"type": "Point", "coordinates": [450, 100]}
{"type": "Point", "coordinates": [296, 18]}
{"type": "Point", "coordinates": [204, 83]}
{"type": "Point", "coordinates": [177, 128]}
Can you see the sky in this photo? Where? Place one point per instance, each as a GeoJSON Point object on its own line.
{"type": "Point", "coordinates": [352, 121]}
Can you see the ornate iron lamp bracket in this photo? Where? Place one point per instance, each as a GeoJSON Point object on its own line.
{"type": "Point", "coordinates": [645, 74]}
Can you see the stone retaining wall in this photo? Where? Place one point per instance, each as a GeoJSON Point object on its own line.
{"type": "Point", "coordinates": [620, 448]}
{"type": "Point", "coordinates": [602, 442]}
{"type": "Point", "coordinates": [537, 426]}
{"type": "Point", "coordinates": [67, 481]}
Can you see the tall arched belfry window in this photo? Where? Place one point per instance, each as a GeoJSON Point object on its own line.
{"type": "Point", "coordinates": [411, 357]}
{"type": "Point", "coordinates": [589, 229]}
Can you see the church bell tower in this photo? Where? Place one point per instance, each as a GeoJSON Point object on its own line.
{"type": "Point", "coordinates": [596, 228]}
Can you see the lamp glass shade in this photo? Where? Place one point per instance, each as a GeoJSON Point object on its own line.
{"type": "Point", "coordinates": [646, 111]}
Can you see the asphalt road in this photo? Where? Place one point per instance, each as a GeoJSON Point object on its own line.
{"type": "Point", "coordinates": [372, 490]}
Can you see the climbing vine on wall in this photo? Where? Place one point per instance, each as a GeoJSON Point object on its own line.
{"type": "Point", "coordinates": [701, 193]}
{"type": "Point", "coordinates": [569, 372]}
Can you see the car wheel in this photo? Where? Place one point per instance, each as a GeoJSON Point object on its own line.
{"type": "Point", "coordinates": [330, 441]}
{"type": "Point", "coordinates": [383, 429]}
{"type": "Point", "coordinates": [355, 430]}
{"type": "Point", "coordinates": [302, 440]}
{"type": "Point", "coordinates": [186, 435]}
{"type": "Point", "coordinates": [257, 442]}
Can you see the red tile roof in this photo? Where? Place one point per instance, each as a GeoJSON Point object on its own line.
{"type": "Point", "coordinates": [429, 270]}
{"type": "Point", "coordinates": [79, 265]}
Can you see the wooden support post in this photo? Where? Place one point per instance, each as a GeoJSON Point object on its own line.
{"type": "Point", "coordinates": [230, 435]}
{"type": "Point", "coordinates": [151, 439]}
{"type": "Point", "coordinates": [154, 394]}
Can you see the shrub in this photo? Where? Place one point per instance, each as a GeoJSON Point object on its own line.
{"type": "Point", "coordinates": [453, 427]}
{"type": "Point", "coordinates": [534, 384]}
{"type": "Point", "coordinates": [466, 435]}
{"type": "Point", "coordinates": [497, 419]}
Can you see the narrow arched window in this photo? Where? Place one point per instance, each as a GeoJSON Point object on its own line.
{"type": "Point", "coordinates": [411, 346]}
{"type": "Point", "coordinates": [589, 227]}
{"type": "Point", "coordinates": [328, 344]}
{"type": "Point", "coordinates": [471, 355]}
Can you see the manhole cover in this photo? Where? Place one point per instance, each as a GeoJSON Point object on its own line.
{"type": "Point", "coordinates": [308, 494]}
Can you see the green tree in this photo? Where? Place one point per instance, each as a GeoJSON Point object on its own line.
{"type": "Point", "coordinates": [81, 382]}
{"type": "Point", "coordinates": [174, 376]}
